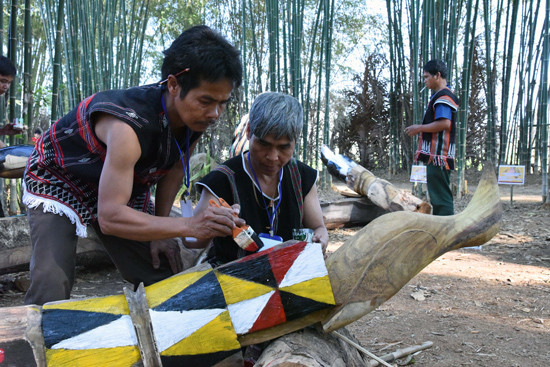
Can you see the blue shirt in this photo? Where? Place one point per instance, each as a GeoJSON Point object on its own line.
{"type": "Point", "coordinates": [442, 111]}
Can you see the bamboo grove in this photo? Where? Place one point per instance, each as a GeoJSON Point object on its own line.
{"type": "Point", "coordinates": [497, 52]}
{"type": "Point", "coordinates": [510, 38]}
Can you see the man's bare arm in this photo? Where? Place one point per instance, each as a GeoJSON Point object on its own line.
{"type": "Point", "coordinates": [115, 187]}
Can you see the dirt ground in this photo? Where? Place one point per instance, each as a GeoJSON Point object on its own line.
{"type": "Point", "coordinates": [488, 306]}
{"type": "Point", "coordinates": [479, 307]}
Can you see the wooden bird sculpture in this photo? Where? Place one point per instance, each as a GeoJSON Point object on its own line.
{"type": "Point", "coordinates": [204, 316]}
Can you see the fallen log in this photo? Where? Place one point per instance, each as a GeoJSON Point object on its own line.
{"type": "Point", "coordinates": [16, 251]}
{"type": "Point", "coordinates": [254, 299]}
{"type": "Point", "coordinates": [350, 212]}
{"type": "Point", "coordinates": [381, 192]}
{"type": "Point", "coordinates": [13, 160]}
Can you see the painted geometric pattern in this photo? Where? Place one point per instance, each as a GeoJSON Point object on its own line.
{"type": "Point", "coordinates": [275, 286]}
{"type": "Point", "coordinates": [190, 320]}
{"type": "Point", "coordinates": [195, 316]}
{"type": "Point", "coordinates": [92, 332]}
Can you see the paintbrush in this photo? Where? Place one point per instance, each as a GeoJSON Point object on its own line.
{"type": "Point", "coordinates": [244, 236]}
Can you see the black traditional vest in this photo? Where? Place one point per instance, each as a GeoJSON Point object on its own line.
{"type": "Point", "coordinates": [439, 148]}
{"type": "Point", "coordinates": [64, 169]}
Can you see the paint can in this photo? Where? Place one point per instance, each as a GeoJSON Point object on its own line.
{"type": "Point", "coordinates": [302, 234]}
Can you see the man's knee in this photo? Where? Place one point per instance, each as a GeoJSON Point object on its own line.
{"type": "Point", "coordinates": [49, 284]}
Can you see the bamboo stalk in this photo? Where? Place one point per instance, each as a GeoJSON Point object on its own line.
{"type": "Point", "coordinates": [509, 50]}
{"type": "Point", "coordinates": [57, 61]}
{"type": "Point", "coordinates": [305, 129]}
{"type": "Point", "coordinates": [141, 319]}
{"type": "Point", "coordinates": [12, 55]}
{"type": "Point", "coordinates": [543, 107]}
{"type": "Point", "coordinates": [27, 56]}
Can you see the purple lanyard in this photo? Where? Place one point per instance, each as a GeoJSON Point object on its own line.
{"type": "Point", "coordinates": [184, 162]}
{"type": "Point", "coordinates": [271, 215]}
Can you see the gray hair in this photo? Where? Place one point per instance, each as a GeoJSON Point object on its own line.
{"type": "Point", "coordinates": [278, 114]}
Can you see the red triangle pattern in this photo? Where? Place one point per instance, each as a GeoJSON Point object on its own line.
{"type": "Point", "coordinates": [272, 314]}
{"type": "Point", "coordinates": [283, 260]}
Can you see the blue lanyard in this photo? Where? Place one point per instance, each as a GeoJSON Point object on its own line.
{"type": "Point", "coordinates": [271, 215]}
{"type": "Point", "coordinates": [184, 162]}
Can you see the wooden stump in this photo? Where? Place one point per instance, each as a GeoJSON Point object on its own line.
{"type": "Point", "coordinates": [311, 348]}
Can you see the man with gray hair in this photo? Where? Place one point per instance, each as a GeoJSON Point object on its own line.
{"type": "Point", "coordinates": [276, 193]}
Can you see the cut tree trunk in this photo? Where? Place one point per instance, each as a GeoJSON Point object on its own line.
{"type": "Point", "coordinates": [16, 251]}
{"type": "Point", "coordinates": [350, 212]}
{"type": "Point", "coordinates": [311, 347]}
{"type": "Point", "coordinates": [383, 193]}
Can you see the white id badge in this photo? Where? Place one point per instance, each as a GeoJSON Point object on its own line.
{"type": "Point", "coordinates": [187, 212]}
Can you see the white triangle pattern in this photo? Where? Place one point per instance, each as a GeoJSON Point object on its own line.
{"type": "Point", "coordinates": [117, 333]}
{"type": "Point", "coordinates": [170, 327]}
{"type": "Point", "coordinates": [310, 264]}
{"type": "Point", "coordinates": [244, 314]}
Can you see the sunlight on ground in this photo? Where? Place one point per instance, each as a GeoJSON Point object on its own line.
{"type": "Point", "coordinates": [520, 198]}
{"type": "Point", "coordinates": [482, 266]}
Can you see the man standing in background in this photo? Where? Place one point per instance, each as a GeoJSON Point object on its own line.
{"type": "Point", "coordinates": [436, 143]}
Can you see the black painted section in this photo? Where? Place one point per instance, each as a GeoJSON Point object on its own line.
{"type": "Point", "coordinates": [198, 360]}
{"type": "Point", "coordinates": [59, 325]}
{"type": "Point", "coordinates": [204, 294]}
{"type": "Point", "coordinates": [296, 306]}
{"type": "Point", "coordinates": [256, 270]}
{"type": "Point", "coordinates": [16, 353]}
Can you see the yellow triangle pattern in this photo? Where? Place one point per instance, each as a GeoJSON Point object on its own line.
{"type": "Point", "coordinates": [160, 292]}
{"type": "Point", "coordinates": [317, 289]}
{"type": "Point", "coordinates": [237, 289]}
{"type": "Point", "coordinates": [112, 357]}
{"type": "Point", "coordinates": [216, 336]}
{"type": "Point", "coordinates": [115, 305]}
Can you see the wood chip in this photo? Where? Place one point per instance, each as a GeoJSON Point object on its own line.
{"type": "Point", "coordinates": [418, 295]}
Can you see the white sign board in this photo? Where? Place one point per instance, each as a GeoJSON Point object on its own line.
{"type": "Point", "coordinates": [418, 174]}
{"type": "Point", "coordinates": [511, 175]}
